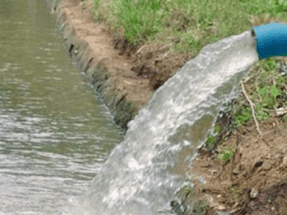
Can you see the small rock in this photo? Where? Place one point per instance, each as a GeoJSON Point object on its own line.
{"type": "Point", "coordinates": [221, 208]}
{"type": "Point", "coordinates": [236, 171]}
{"type": "Point", "coordinates": [266, 165]}
{"type": "Point", "coordinates": [253, 194]}
{"type": "Point", "coordinates": [284, 162]}
{"type": "Point", "coordinates": [283, 68]}
{"type": "Point", "coordinates": [202, 180]}
{"type": "Point", "coordinates": [222, 213]}
{"type": "Point", "coordinates": [280, 111]}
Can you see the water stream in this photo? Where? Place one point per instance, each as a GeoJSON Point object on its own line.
{"type": "Point", "coordinates": [143, 173]}
{"type": "Point", "coordinates": [54, 133]}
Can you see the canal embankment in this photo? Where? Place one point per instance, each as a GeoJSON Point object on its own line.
{"type": "Point", "coordinates": [125, 75]}
{"type": "Point", "coordinates": [92, 47]}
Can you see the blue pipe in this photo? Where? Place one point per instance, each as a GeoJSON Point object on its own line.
{"type": "Point", "coordinates": [271, 40]}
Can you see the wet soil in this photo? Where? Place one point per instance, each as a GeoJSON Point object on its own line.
{"type": "Point", "coordinates": [254, 181]}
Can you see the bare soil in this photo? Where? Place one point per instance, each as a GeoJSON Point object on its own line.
{"type": "Point", "coordinates": [156, 63]}
{"type": "Point", "coordinates": [136, 71]}
{"type": "Point", "coordinates": [100, 42]}
{"type": "Point", "coordinates": [254, 181]}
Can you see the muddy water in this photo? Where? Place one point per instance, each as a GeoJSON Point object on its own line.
{"type": "Point", "coordinates": [54, 133]}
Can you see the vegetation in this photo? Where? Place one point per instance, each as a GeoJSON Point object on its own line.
{"type": "Point", "coordinates": [235, 193]}
{"type": "Point", "coordinates": [186, 190]}
{"type": "Point", "coordinates": [225, 155]}
{"type": "Point", "coordinates": [212, 139]}
{"type": "Point", "coordinates": [188, 24]}
{"type": "Point", "coordinates": [267, 89]}
{"type": "Point", "coordinates": [200, 207]}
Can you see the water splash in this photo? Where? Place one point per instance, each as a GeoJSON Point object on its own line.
{"type": "Point", "coordinates": [143, 173]}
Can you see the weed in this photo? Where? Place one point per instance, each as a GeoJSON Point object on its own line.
{"type": "Point", "coordinates": [212, 138]}
{"type": "Point", "coordinates": [243, 116]}
{"type": "Point", "coordinates": [200, 207]}
{"type": "Point", "coordinates": [268, 95]}
{"type": "Point", "coordinates": [235, 193]}
{"type": "Point", "coordinates": [210, 142]}
{"type": "Point", "coordinates": [225, 154]}
{"type": "Point", "coordinates": [217, 128]}
{"type": "Point", "coordinates": [85, 3]}
{"type": "Point", "coordinates": [186, 190]}
{"type": "Point", "coordinates": [269, 200]}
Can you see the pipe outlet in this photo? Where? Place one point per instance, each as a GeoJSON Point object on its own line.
{"type": "Point", "coordinates": [271, 40]}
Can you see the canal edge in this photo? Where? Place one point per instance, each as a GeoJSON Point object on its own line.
{"type": "Point", "coordinates": [112, 82]}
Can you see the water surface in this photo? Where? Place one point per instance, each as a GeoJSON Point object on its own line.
{"type": "Point", "coordinates": [54, 133]}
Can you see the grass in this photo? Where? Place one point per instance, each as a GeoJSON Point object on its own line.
{"type": "Point", "coordinates": [235, 193]}
{"type": "Point", "coordinates": [212, 138]}
{"type": "Point", "coordinates": [194, 23]}
{"type": "Point", "coordinates": [225, 154]}
{"type": "Point", "coordinates": [267, 90]}
{"type": "Point", "coordinates": [200, 207]}
{"type": "Point", "coordinates": [266, 86]}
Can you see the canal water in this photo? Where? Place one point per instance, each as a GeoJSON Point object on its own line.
{"type": "Point", "coordinates": [54, 132]}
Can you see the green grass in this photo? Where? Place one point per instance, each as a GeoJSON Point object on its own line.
{"type": "Point", "coordinates": [225, 155]}
{"type": "Point", "coordinates": [212, 138]}
{"type": "Point", "coordinates": [194, 23]}
{"type": "Point", "coordinates": [200, 207]}
{"type": "Point", "coordinates": [267, 90]}
{"type": "Point", "coordinates": [235, 193]}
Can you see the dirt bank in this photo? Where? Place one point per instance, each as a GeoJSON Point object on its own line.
{"type": "Point", "coordinates": [243, 169]}
{"type": "Point", "coordinates": [254, 180]}
{"type": "Point", "coordinates": [126, 76]}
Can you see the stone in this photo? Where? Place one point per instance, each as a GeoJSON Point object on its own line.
{"type": "Point", "coordinates": [253, 193]}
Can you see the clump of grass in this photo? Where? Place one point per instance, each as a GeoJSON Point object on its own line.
{"type": "Point", "coordinates": [186, 190]}
{"type": "Point", "coordinates": [193, 22]}
{"type": "Point", "coordinates": [235, 193]}
{"type": "Point", "coordinates": [225, 154]}
{"type": "Point", "coordinates": [268, 91]}
{"type": "Point", "coordinates": [210, 142]}
{"type": "Point", "coordinates": [200, 207]}
{"type": "Point", "coordinates": [212, 138]}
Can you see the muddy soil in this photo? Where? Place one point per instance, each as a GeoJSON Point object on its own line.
{"type": "Point", "coordinates": [254, 181]}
